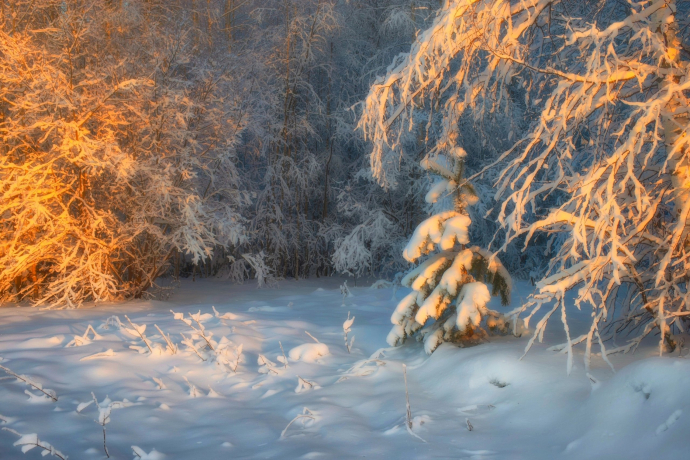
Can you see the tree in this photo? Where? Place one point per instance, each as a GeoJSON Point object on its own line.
{"type": "Point", "coordinates": [308, 63]}
{"type": "Point", "coordinates": [115, 155]}
{"type": "Point", "coordinates": [377, 222]}
{"type": "Point", "coordinates": [449, 285]}
{"type": "Point", "coordinates": [602, 166]}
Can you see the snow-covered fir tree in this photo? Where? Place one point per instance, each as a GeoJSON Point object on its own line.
{"type": "Point", "coordinates": [450, 285]}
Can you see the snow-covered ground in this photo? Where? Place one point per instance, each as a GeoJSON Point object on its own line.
{"type": "Point", "coordinates": [326, 402]}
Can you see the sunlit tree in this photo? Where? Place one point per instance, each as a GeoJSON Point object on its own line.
{"type": "Point", "coordinates": [115, 155]}
{"type": "Point", "coordinates": [603, 165]}
{"type": "Point", "coordinates": [449, 297]}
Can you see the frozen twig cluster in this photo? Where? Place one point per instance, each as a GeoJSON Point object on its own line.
{"type": "Point", "coordinates": [267, 366]}
{"type": "Point", "coordinates": [304, 385]}
{"type": "Point", "coordinates": [222, 352]}
{"type": "Point", "coordinates": [105, 409]}
{"type": "Point", "coordinates": [172, 347]}
{"type": "Point", "coordinates": [198, 330]}
{"type": "Point", "coordinates": [84, 339]}
{"type": "Point", "coordinates": [138, 330]}
{"type": "Point", "coordinates": [364, 367]}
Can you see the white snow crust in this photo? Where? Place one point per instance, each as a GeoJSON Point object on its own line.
{"type": "Point", "coordinates": [323, 402]}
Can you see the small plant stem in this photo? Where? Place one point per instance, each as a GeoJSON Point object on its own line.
{"type": "Point", "coordinates": [28, 382]}
{"type": "Point", "coordinates": [407, 398]}
{"type": "Point", "coordinates": [315, 339]}
{"type": "Point", "coordinates": [140, 335]}
{"type": "Point", "coordinates": [284, 357]}
{"type": "Point", "coordinates": [202, 333]}
{"type": "Point", "coordinates": [171, 346]}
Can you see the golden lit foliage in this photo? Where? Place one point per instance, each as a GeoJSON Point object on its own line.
{"type": "Point", "coordinates": [106, 147]}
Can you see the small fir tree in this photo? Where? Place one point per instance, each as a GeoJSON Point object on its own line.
{"type": "Point", "coordinates": [449, 285]}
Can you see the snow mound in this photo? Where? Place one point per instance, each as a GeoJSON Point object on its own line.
{"type": "Point", "coordinates": [153, 455]}
{"type": "Point", "coordinates": [638, 412]}
{"type": "Point", "coordinates": [266, 308]}
{"type": "Point", "coordinates": [45, 342]}
{"type": "Point", "coordinates": [309, 352]}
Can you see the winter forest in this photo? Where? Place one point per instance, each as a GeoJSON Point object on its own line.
{"type": "Point", "coordinates": [203, 203]}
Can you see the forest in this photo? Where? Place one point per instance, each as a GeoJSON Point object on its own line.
{"type": "Point", "coordinates": [509, 177]}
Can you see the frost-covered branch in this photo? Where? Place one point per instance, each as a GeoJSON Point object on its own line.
{"type": "Point", "coordinates": [49, 393]}
{"type": "Point", "coordinates": [602, 168]}
{"type": "Point", "coordinates": [105, 409]}
{"type": "Point", "coordinates": [171, 346]}
{"type": "Point", "coordinates": [139, 330]}
{"type": "Point", "coordinates": [29, 441]}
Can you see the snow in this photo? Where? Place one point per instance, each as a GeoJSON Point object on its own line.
{"type": "Point", "coordinates": [431, 230]}
{"type": "Point", "coordinates": [309, 352]}
{"type": "Point", "coordinates": [404, 308]}
{"type": "Point", "coordinates": [153, 455]}
{"type": "Point", "coordinates": [453, 275]}
{"type": "Point", "coordinates": [472, 298]}
{"type": "Point", "coordinates": [445, 229]}
{"type": "Point", "coordinates": [348, 324]}
{"type": "Point", "coordinates": [336, 405]}
{"type": "Point", "coordinates": [455, 230]}
{"type": "Point", "coordinates": [437, 190]}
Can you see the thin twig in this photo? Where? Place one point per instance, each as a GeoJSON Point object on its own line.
{"type": "Point", "coordinates": [190, 344]}
{"type": "Point", "coordinates": [305, 414]}
{"type": "Point", "coordinates": [315, 339]}
{"type": "Point", "coordinates": [29, 382]}
{"type": "Point", "coordinates": [239, 355]}
{"type": "Point", "coordinates": [171, 346]}
{"type": "Point", "coordinates": [284, 357]}
{"type": "Point", "coordinates": [407, 398]}
{"type": "Point", "coordinates": [305, 382]}
{"type": "Point", "coordinates": [202, 332]}
{"type": "Point", "coordinates": [105, 420]}
{"type": "Point", "coordinates": [140, 334]}
{"type": "Point", "coordinates": [45, 446]}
